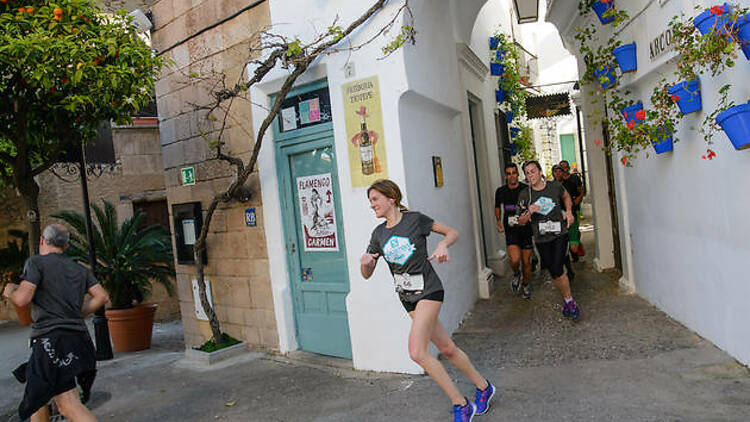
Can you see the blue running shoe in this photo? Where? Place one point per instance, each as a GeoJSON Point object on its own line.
{"type": "Point", "coordinates": [571, 310]}
{"type": "Point", "coordinates": [526, 291]}
{"type": "Point", "coordinates": [464, 413]}
{"type": "Point", "coordinates": [515, 283]}
{"type": "Point", "coordinates": [483, 397]}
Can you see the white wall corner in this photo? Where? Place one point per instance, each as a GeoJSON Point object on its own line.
{"type": "Point", "coordinates": [627, 286]}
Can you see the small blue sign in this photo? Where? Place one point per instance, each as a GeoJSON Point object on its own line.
{"type": "Point", "coordinates": [250, 219]}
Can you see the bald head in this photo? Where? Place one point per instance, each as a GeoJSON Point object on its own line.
{"type": "Point", "coordinates": [56, 235]}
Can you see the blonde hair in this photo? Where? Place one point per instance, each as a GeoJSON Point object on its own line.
{"type": "Point", "coordinates": [390, 190]}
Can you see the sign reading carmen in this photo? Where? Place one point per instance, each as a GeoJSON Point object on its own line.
{"type": "Point", "coordinates": [661, 44]}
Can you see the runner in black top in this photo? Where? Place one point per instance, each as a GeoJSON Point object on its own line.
{"type": "Point", "coordinates": [517, 238]}
{"type": "Point", "coordinates": [61, 346]}
{"type": "Point", "coordinates": [547, 206]}
{"type": "Point", "coordinates": [402, 241]}
{"type": "Point", "coordinates": [574, 185]}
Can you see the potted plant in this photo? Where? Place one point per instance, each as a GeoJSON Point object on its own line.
{"type": "Point", "coordinates": [12, 260]}
{"type": "Point", "coordinates": [735, 121]}
{"type": "Point", "coordinates": [129, 258]}
{"type": "Point", "coordinates": [626, 57]}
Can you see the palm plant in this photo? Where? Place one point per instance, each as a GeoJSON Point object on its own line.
{"type": "Point", "coordinates": [128, 257]}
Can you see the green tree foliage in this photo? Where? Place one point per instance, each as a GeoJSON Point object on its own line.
{"type": "Point", "coordinates": [64, 67]}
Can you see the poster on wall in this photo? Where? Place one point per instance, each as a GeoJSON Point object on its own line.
{"type": "Point", "coordinates": [317, 212]}
{"type": "Point", "coordinates": [364, 131]}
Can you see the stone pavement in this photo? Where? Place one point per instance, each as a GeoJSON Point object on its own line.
{"type": "Point", "coordinates": [624, 361]}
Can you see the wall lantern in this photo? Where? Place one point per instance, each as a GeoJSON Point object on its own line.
{"type": "Point", "coordinates": [527, 10]}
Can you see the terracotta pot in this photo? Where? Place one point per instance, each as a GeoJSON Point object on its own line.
{"type": "Point", "coordinates": [24, 314]}
{"type": "Point", "coordinates": [131, 329]}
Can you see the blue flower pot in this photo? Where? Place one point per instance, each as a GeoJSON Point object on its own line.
{"type": "Point", "coordinates": [626, 57]}
{"type": "Point", "coordinates": [513, 149]}
{"type": "Point", "coordinates": [514, 131]}
{"type": "Point", "coordinates": [744, 34]}
{"type": "Point", "coordinates": [736, 124]}
{"type": "Point", "coordinates": [706, 21]}
{"type": "Point", "coordinates": [499, 95]}
{"type": "Point", "coordinates": [689, 94]}
{"type": "Point", "coordinates": [494, 41]}
{"type": "Point", "coordinates": [664, 145]}
{"type": "Point", "coordinates": [629, 112]}
{"type": "Point", "coordinates": [509, 116]}
{"type": "Point", "coordinates": [607, 72]}
{"type": "Point", "coordinates": [600, 8]}
{"type": "Point", "coordinates": [496, 69]}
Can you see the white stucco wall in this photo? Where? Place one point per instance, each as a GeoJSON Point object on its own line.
{"type": "Point", "coordinates": [423, 114]}
{"type": "Point", "coordinates": [683, 232]}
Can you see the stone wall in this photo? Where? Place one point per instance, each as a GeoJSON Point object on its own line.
{"type": "Point", "coordinates": [237, 256]}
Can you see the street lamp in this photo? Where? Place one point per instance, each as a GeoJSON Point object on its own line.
{"type": "Point", "coordinates": [527, 10]}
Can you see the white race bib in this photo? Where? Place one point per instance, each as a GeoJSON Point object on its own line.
{"type": "Point", "coordinates": [513, 220]}
{"type": "Point", "coordinates": [409, 282]}
{"type": "Point", "coordinates": [549, 227]}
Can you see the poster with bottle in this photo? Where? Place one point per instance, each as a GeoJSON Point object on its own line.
{"type": "Point", "coordinates": [364, 131]}
{"type": "Point", "coordinates": [317, 212]}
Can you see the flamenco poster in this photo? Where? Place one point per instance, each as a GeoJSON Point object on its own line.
{"type": "Point", "coordinates": [364, 131]}
{"type": "Point", "coordinates": [317, 212]}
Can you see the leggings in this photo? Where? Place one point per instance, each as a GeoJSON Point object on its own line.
{"type": "Point", "coordinates": [553, 255]}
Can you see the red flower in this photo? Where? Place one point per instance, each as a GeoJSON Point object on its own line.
{"type": "Point", "coordinates": [52, 90]}
{"type": "Point", "coordinates": [606, 1]}
{"type": "Point", "coordinates": [640, 114]}
{"type": "Point", "coordinates": [717, 10]}
{"type": "Point", "coordinates": [630, 124]}
{"type": "Point", "coordinates": [675, 98]}
{"type": "Point", "coordinates": [597, 142]}
{"type": "Point", "coordinates": [625, 115]}
{"type": "Point", "coordinates": [711, 154]}
{"type": "Point", "coordinates": [624, 161]}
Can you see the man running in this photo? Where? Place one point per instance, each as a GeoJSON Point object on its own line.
{"type": "Point", "coordinates": [517, 238]}
{"type": "Point", "coordinates": [548, 207]}
{"type": "Point", "coordinates": [576, 190]}
{"type": "Point", "coordinates": [61, 347]}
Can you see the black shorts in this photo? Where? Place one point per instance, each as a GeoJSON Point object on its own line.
{"type": "Point", "coordinates": [57, 359]}
{"type": "Point", "coordinates": [436, 296]}
{"type": "Point", "coordinates": [519, 236]}
{"type": "Point", "coordinates": [553, 255]}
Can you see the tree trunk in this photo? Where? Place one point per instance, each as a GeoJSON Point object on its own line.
{"type": "Point", "coordinates": [30, 193]}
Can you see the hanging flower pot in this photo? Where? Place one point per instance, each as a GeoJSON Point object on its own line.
{"type": "Point", "coordinates": [736, 124]}
{"type": "Point", "coordinates": [513, 149]}
{"type": "Point", "coordinates": [664, 144]}
{"type": "Point", "coordinates": [514, 131]}
{"type": "Point", "coordinates": [712, 18]}
{"type": "Point", "coordinates": [509, 116]}
{"type": "Point", "coordinates": [626, 57]}
{"type": "Point", "coordinates": [634, 113]}
{"type": "Point", "coordinates": [494, 41]}
{"type": "Point", "coordinates": [687, 95]}
{"type": "Point", "coordinates": [601, 7]}
{"type": "Point", "coordinates": [499, 95]}
{"type": "Point", "coordinates": [500, 55]}
{"type": "Point", "coordinates": [496, 69]}
{"type": "Point", "coordinates": [743, 34]}
{"type": "Point", "coordinates": [606, 76]}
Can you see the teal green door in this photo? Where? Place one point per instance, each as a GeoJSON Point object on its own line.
{"type": "Point", "coordinates": [568, 149]}
{"type": "Point", "coordinates": [316, 252]}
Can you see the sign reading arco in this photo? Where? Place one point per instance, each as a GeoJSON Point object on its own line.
{"type": "Point", "coordinates": [660, 45]}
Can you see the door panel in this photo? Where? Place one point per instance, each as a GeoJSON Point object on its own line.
{"type": "Point", "coordinates": [315, 245]}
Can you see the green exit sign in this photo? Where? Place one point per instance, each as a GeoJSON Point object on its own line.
{"type": "Point", "coordinates": [188, 176]}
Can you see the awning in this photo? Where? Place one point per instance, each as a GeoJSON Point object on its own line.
{"type": "Point", "coordinates": [545, 106]}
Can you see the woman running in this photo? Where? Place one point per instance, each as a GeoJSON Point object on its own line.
{"type": "Point", "coordinates": [402, 241]}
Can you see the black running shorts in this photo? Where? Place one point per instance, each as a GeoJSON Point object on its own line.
{"type": "Point", "coordinates": [553, 255]}
{"type": "Point", "coordinates": [437, 296]}
{"type": "Point", "coordinates": [519, 236]}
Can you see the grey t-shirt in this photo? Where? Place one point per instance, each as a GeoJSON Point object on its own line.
{"type": "Point", "coordinates": [550, 199]}
{"type": "Point", "coordinates": [61, 284]}
{"type": "Point", "coordinates": [404, 248]}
